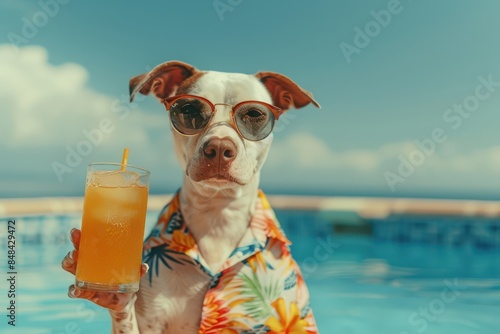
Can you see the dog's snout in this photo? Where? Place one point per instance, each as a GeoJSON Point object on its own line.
{"type": "Point", "coordinates": [220, 149]}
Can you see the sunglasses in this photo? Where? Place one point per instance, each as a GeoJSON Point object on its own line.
{"type": "Point", "coordinates": [190, 115]}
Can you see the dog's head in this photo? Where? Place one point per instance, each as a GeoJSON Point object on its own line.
{"type": "Point", "coordinates": [218, 156]}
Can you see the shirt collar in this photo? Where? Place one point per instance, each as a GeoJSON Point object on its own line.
{"type": "Point", "coordinates": [265, 223]}
{"type": "Point", "coordinates": [171, 231]}
{"type": "Point", "coordinates": [263, 226]}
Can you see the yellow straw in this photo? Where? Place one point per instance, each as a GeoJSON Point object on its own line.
{"type": "Point", "coordinates": [124, 159]}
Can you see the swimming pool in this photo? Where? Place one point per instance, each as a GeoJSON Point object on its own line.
{"type": "Point", "coordinates": [394, 278]}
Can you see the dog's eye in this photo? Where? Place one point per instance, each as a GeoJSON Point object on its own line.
{"type": "Point", "coordinates": [189, 110]}
{"type": "Point", "coordinates": [253, 117]}
{"type": "Point", "coordinates": [254, 121]}
{"type": "Point", "coordinates": [190, 114]}
{"type": "Point", "coordinates": [253, 113]}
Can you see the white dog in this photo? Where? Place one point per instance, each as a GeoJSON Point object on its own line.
{"type": "Point", "coordinates": [218, 259]}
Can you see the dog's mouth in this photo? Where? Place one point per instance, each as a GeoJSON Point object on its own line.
{"type": "Point", "coordinates": [213, 176]}
{"type": "Point", "coordinates": [223, 178]}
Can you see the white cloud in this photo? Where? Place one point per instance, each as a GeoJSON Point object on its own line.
{"type": "Point", "coordinates": [309, 160]}
{"type": "Point", "coordinates": [46, 104]}
{"type": "Point", "coordinates": [304, 150]}
{"type": "Point", "coordinates": [47, 108]}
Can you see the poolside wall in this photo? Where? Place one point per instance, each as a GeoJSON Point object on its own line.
{"type": "Point", "coordinates": [449, 222]}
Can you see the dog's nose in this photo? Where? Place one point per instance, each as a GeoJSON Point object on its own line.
{"type": "Point", "coordinates": [223, 150]}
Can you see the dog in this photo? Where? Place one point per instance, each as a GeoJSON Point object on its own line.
{"type": "Point", "coordinates": [218, 260]}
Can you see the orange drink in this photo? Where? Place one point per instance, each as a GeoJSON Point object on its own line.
{"type": "Point", "coordinates": [114, 215]}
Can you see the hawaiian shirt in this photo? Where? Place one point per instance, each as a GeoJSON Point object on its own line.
{"type": "Point", "coordinates": [259, 289]}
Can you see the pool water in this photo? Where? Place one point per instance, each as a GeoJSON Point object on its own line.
{"type": "Point", "coordinates": [358, 284]}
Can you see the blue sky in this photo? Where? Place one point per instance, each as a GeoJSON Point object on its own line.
{"type": "Point", "coordinates": [70, 72]}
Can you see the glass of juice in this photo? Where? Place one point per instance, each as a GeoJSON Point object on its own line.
{"type": "Point", "coordinates": [114, 214]}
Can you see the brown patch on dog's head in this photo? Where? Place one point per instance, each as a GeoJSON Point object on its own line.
{"type": "Point", "coordinates": [163, 81]}
{"type": "Point", "coordinates": [285, 93]}
{"type": "Point", "coordinates": [187, 84]}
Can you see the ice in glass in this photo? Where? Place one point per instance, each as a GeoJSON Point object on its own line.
{"type": "Point", "coordinates": [114, 215]}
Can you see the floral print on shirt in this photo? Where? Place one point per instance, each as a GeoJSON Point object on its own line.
{"type": "Point", "coordinates": [259, 289]}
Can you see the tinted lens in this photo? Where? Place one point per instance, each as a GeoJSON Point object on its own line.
{"type": "Point", "coordinates": [254, 121]}
{"type": "Point", "coordinates": [190, 115]}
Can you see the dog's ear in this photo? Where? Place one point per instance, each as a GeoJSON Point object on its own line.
{"type": "Point", "coordinates": [162, 81]}
{"type": "Point", "coordinates": [284, 92]}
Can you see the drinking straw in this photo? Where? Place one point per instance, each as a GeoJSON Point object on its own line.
{"type": "Point", "coordinates": [124, 159]}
